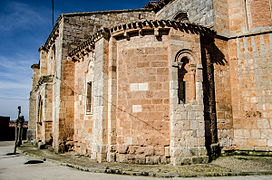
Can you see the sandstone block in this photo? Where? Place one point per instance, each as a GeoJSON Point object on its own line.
{"type": "Point", "coordinates": [122, 158]}
{"type": "Point", "coordinates": [137, 108]}
{"type": "Point", "coordinates": [167, 151]}
{"type": "Point", "coordinates": [152, 160]}
{"type": "Point", "coordinates": [111, 157]}
{"type": "Point", "coordinates": [269, 143]}
{"type": "Point", "coordinates": [132, 149]}
{"type": "Point", "coordinates": [149, 151]}
{"type": "Point", "coordinates": [140, 159]}
{"type": "Point", "coordinates": [122, 149]}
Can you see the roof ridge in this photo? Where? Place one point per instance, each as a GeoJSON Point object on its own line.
{"type": "Point", "coordinates": [107, 11]}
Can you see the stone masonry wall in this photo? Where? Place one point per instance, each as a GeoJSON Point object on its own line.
{"type": "Point", "coordinates": [31, 132]}
{"type": "Point", "coordinates": [66, 115]}
{"type": "Point", "coordinates": [47, 121]}
{"type": "Point", "coordinates": [249, 16]}
{"type": "Point", "coordinates": [260, 13]}
{"type": "Point", "coordinates": [200, 12]}
{"type": "Point", "coordinates": [43, 112]}
{"type": "Point", "coordinates": [221, 17]}
{"type": "Point", "coordinates": [223, 93]}
{"type": "Point", "coordinates": [83, 120]}
{"type": "Point", "coordinates": [79, 27]}
{"type": "Point", "coordinates": [75, 29]}
{"type": "Point", "coordinates": [100, 96]}
{"type": "Point", "coordinates": [250, 70]}
{"type": "Point", "coordinates": [143, 100]}
{"type": "Point", "coordinates": [186, 118]}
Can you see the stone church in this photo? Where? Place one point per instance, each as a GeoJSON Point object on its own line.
{"type": "Point", "coordinates": [175, 82]}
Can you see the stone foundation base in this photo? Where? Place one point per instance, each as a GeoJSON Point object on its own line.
{"type": "Point", "coordinates": [194, 160]}
{"type": "Point", "coordinates": [141, 159]}
{"type": "Point", "coordinates": [246, 152]}
{"type": "Point", "coordinates": [31, 134]}
{"type": "Point", "coordinates": [214, 151]}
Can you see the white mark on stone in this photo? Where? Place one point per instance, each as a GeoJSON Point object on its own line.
{"type": "Point", "coordinates": [139, 87]}
{"type": "Point", "coordinates": [137, 108]}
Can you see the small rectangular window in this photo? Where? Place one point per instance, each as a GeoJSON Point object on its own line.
{"type": "Point", "coordinates": [89, 97]}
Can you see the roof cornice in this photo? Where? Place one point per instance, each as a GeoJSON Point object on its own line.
{"type": "Point", "coordinates": [86, 46]}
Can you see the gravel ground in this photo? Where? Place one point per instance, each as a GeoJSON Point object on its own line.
{"type": "Point", "coordinates": [240, 163]}
{"type": "Point", "coordinates": [223, 166]}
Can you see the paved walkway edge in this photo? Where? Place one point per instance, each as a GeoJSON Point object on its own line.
{"type": "Point", "coordinates": [108, 170]}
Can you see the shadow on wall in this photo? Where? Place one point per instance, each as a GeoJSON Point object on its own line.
{"type": "Point", "coordinates": [7, 129]}
{"type": "Point", "coordinates": [217, 56]}
{"type": "Point", "coordinates": [211, 55]}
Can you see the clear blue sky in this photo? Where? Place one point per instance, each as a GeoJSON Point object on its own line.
{"type": "Point", "coordinates": [24, 27]}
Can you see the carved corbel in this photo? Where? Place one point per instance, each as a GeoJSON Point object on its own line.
{"type": "Point", "coordinates": [141, 32]}
{"type": "Point", "coordinates": [126, 35]}
{"type": "Point", "coordinates": [75, 58]}
{"type": "Point", "coordinates": [156, 32]}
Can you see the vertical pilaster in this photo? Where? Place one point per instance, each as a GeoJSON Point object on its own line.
{"type": "Point", "coordinates": [187, 142]}
{"type": "Point", "coordinates": [112, 90]}
{"type": "Point", "coordinates": [211, 139]}
{"type": "Point", "coordinates": [100, 124]}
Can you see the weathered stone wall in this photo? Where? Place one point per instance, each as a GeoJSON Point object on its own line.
{"type": "Point", "coordinates": [100, 95]}
{"type": "Point", "coordinates": [223, 93]}
{"type": "Point", "coordinates": [57, 86]}
{"type": "Point", "coordinates": [31, 132]}
{"type": "Point", "coordinates": [79, 27]}
{"type": "Point", "coordinates": [250, 72]}
{"type": "Point", "coordinates": [47, 121]}
{"type": "Point", "coordinates": [43, 62]}
{"type": "Point", "coordinates": [90, 127]}
{"type": "Point", "coordinates": [137, 115]}
{"type": "Point", "coordinates": [259, 13]}
{"type": "Point", "coordinates": [249, 16]}
{"type": "Point", "coordinates": [221, 17]}
{"type": "Point", "coordinates": [200, 12]}
{"type": "Point", "coordinates": [187, 118]}
{"type": "Point", "coordinates": [83, 120]}
{"type": "Point", "coordinates": [66, 115]}
{"type": "Point", "coordinates": [42, 117]}
{"type": "Point", "coordinates": [143, 100]}
{"type": "Point", "coordinates": [73, 30]}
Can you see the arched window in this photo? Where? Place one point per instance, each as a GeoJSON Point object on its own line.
{"type": "Point", "coordinates": [182, 71]}
{"type": "Point", "coordinates": [89, 96]}
{"type": "Point", "coordinates": [181, 16]}
{"type": "Point", "coordinates": [52, 61]}
{"type": "Point", "coordinates": [89, 87]}
{"type": "Point", "coordinates": [40, 111]}
{"type": "Point", "coordinates": [186, 77]}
